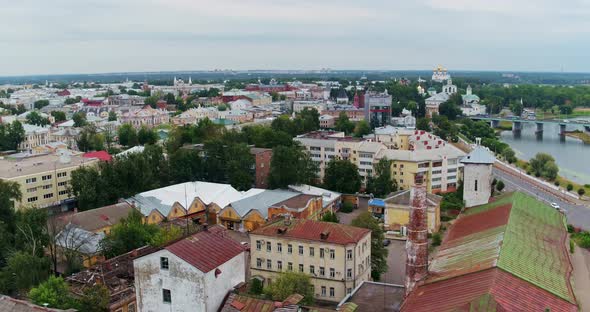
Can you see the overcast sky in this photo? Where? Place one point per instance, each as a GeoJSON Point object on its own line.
{"type": "Point", "coordinates": [95, 36]}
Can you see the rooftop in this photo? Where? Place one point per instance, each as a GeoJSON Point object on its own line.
{"type": "Point", "coordinates": [80, 240]}
{"type": "Point", "coordinates": [402, 197]}
{"type": "Point", "coordinates": [327, 196]}
{"type": "Point", "coordinates": [13, 166]}
{"type": "Point", "coordinates": [303, 229]}
{"type": "Point", "coordinates": [378, 297]}
{"type": "Point", "coordinates": [99, 218]}
{"type": "Point", "coordinates": [446, 151]}
{"type": "Point", "coordinates": [9, 304]}
{"type": "Point", "coordinates": [480, 155]}
{"type": "Point", "coordinates": [515, 240]}
{"type": "Point", "coordinates": [260, 201]}
{"type": "Point", "coordinates": [241, 303]}
{"type": "Point", "coordinates": [206, 250]}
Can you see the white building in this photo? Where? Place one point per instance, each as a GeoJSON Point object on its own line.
{"type": "Point", "coordinates": [471, 106]}
{"type": "Point", "coordinates": [477, 176]}
{"type": "Point", "coordinates": [193, 274]}
{"type": "Point", "coordinates": [440, 74]}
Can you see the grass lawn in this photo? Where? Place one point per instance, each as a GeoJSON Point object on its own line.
{"type": "Point", "coordinates": [578, 112]}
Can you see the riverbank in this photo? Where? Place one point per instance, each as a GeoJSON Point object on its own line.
{"type": "Point", "coordinates": [583, 136]}
{"type": "Point", "coordinates": [563, 182]}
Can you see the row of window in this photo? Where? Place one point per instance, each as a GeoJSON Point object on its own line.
{"type": "Point", "coordinates": [321, 272]}
{"type": "Point", "coordinates": [301, 251]}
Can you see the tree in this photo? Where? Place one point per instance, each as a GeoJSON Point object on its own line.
{"type": "Point", "coordinates": [449, 109]}
{"type": "Point", "coordinates": [500, 186]}
{"type": "Point", "coordinates": [112, 116]}
{"type": "Point", "coordinates": [342, 176]}
{"type": "Point", "coordinates": [570, 187]}
{"type": "Point", "coordinates": [378, 251]}
{"type": "Point", "coordinates": [238, 162]}
{"type": "Point", "coordinates": [152, 101]}
{"type": "Point", "coordinates": [27, 270]}
{"type": "Point", "coordinates": [35, 118]}
{"type": "Point", "coordinates": [330, 217]}
{"type": "Point", "coordinates": [291, 165]}
{"type": "Point", "coordinates": [79, 119]}
{"type": "Point", "coordinates": [509, 155]}
{"type": "Point", "coordinates": [129, 234]}
{"type": "Point", "coordinates": [382, 183]}
{"type": "Point", "coordinates": [543, 165]}
{"type": "Point", "coordinates": [146, 135]}
{"type": "Point", "coordinates": [39, 104]}
{"type": "Point", "coordinates": [362, 128]}
{"type": "Point", "coordinates": [11, 135]}
{"type": "Point", "coordinates": [59, 116]}
{"type": "Point", "coordinates": [54, 292]}
{"type": "Point", "coordinates": [96, 299]}
{"type": "Point", "coordinates": [289, 283]}
{"type": "Point", "coordinates": [186, 165]}
{"type": "Point", "coordinates": [423, 124]}
{"type": "Point", "coordinates": [581, 191]}
{"type": "Point", "coordinates": [516, 107]}
{"type": "Point", "coordinates": [90, 140]}
{"type": "Point", "coordinates": [127, 135]}
{"type": "Point", "coordinates": [344, 124]}
{"type": "Point", "coordinates": [310, 119]}
{"type": "Point", "coordinates": [256, 286]}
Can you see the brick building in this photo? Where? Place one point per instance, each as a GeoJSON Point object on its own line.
{"type": "Point", "coordinates": [262, 158]}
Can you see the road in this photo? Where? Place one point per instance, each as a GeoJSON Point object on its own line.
{"type": "Point", "coordinates": [577, 214]}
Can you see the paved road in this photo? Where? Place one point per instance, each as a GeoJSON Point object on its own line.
{"type": "Point", "coordinates": [396, 263]}
{"type": "Point", "coordinates": [578, 215]}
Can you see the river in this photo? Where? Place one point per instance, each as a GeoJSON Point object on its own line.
{"type": "Point", "coordinates": [572, 155]}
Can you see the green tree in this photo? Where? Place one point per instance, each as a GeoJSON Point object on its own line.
{"type": "Point", "coordinates": [449, 109]}
{"type": "Point", "coordinates": [382, 184]}
{"type": "Point", "coordinates": [39, 104]}
{"type": "Point", "coordinates": [423, 124]}
{"type": "Point", "coordinates": [146, 135]}
{"type": "Point", "coordinates": [112, 116]}
{"type": "Point", "coordinates": [362, 128]}
{"type": "Point", "coordinates": [330, 217]}
{"type": "Point", "coordinates": [239, 162]}
{"type": "Point", "coordinates": [90, 140]}
{"type": "Point", "coordinates": [310, 119]}
{"type": "Point", "coordinates": [291, 165]}
{"type": "Point", "coordinates": [516, 107]}
{"type": "Point", "coordinates": [500, 186]}
{"type": "Point", "coordinates": [543, 165]}
{"type": "Point", "coordinates": [165, 235]}
{"type": "Point", "coordinates": [79, 119]}
{"type": "Point", "coordinates": [378, 251]}
{"type": "Point", "coordinates": [289, 283]}
{"type": "Point", "coordinates": [54, 292]}
{"type": "Point", "coordinates": [186, 165]}
{"type": "Point", "coordinates": [129, 234]}
{"type": "Point", "coordinates": [127, 135]}
{"type": "Point", "coordinates": [151, 101]}
{"type": "Point", "coordinates": [344, 124]}
{"type": "Point", "coordinates": [35, 118]}
{"type": "Point", "coordinates": [256, 286]}
{"type": "Point", "coordinates": [59, 116]}
{"type": "Point", "coordinates": [11, 135]}
{"type": "Point", "coordinates": [509, 155]}
{"type": "Point", "coordinates": [95, 299]}
{"type": "Point", "coordinates": [570, 187]}
{"type": "Point", "coordinates": [581, 191]}
{"type": "Point", "coordinates": [342, 176]}
{"type": "Point", "coordinates": [27, 270]}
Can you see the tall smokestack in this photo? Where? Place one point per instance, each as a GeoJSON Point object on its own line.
{"type": "Point", "coordinates": [417, 242]}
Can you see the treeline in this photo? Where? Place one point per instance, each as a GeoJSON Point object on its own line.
{"type": "Point", "coordinates": [11, 135]}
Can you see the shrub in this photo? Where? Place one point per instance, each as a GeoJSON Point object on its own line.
{"type": "Point", "coordinates": [570, 187]}
{"type": "Point", "coordinates": [556, 183]}
{"type": "Point", "coordinates": [570, 228]}
{"type": "Point", "coordinates": [500, 186]}
{"type": "Point", "coordinates": [582, 238]}
{"type": "Point", "coordinates": [255, 286]}
{"type": "Point", "coordinates": [581, 191]}
{"type": "Point", "coordinates": [572, 246]}
{"type": "Point", "coordinates": [346, 207]}
{"type": "Point", "coordinates": [436, 239]}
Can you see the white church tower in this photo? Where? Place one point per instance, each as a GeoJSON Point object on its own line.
{"type": "Point", "coordinates": [477, 176]}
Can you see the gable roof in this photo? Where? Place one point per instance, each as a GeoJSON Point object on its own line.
{"type": "Point", "coordinates": [479, 156]}
{"type": "Point", "coordinates": [206, 250]}
{"type": "Point", "coordinates": [9, 304]}
{"type": "Point", "coordinates": [517, 235]}
{"type": "Point", "coordinates": [95, 219]}
{"type": "Point", "coordinates": [261, 201]}
{"type": "Point", "coordinates": [304, 229]}
{"type": "Point", "coordinates": [75, 238]}
{"type": "Point", "coordinates": [328, 197]}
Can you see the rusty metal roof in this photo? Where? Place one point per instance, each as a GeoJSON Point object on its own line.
{"type": "Point", "coordinates": [519, 235]}
{"type": "Point", "coordinates": [312, 230]}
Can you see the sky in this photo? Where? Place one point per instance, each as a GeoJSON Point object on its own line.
{"type": "Point", "coordinates": [103, 36]}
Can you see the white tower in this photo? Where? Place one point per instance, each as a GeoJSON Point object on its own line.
{"type": "Point", "coordinates": [477, 176]}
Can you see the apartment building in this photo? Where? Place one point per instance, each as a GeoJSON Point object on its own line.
{"type": "Point", "coordinates": [337, 257]}
{"type": "Point", "coordinates": [43, 179]}
{"type": "Point", "coordinates": [440, 167]}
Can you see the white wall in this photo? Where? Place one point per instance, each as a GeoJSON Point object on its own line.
{"type": "Point", "coordinates": [191, 290]}
{"type": "Point", "coordinates": [483, 174]}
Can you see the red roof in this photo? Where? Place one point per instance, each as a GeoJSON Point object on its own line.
{"type": "Point", "coordinates": [478, 291]}
{"type": "Point", "coordinates": [102, 155]}
{"type": "Point", "coordinates": [206, 250]}
{"type": "Point", "coordinates": [304, 229]}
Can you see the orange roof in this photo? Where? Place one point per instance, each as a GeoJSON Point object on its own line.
{"type": "Point", "coordinates": [304, 229]}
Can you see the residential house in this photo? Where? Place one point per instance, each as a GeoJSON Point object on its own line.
{"type": "Point", "coordinates": [34, 136]}
{"type": "Point", "coordinates": [146, 116]}
{"type": "Point", "coordinates": [395, 211]}
{"type": "Point", "coordinates": [327, 121]}
{"type": "Point", "coordinates": [335, 256]}
{"type": "Point", "coordinates": [192, 274]}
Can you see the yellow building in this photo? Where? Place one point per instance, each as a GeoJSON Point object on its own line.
{"type": "Point", "coordinates": [43, 179]}
{"type": "Point", "coordinates": [395, 211]}
{"type": "Point", "coordinates": [337, 257]}
{"type": "Point", "coordinates": [99, 220]}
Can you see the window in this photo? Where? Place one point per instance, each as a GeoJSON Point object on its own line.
{"type": "Point", "coordinates": [301, 268]}
{"type": "Point", "coordinates": [332, 254]}
{"type": "Point", "coordinates": [348, 291]}
{"type": "Point", "coordinates": [290, 266]}
{"type": "Point", "coordinates": [311, 251]}
{"type": "Point", "coordinates": [268, 246]}
{"type": "Point", "coordinates": [300, 250]}
{"type": "Point", "coordinates": [279, 247]}
{"type": "Point", "coordinates": [332, 273]}
{"type": "Point", "coordinates": [61, 174]}
{"type": "Point", "coordinates": [166, 296]}
{"type": "Point", "coordinates": [436, 179]}
{"type": "Point", "coordinates": [31, 180]}
{"type": "Point", "coordinates": [258, 263]}
{"type": "Point", "coordinates": [322, 271]}
{"type": "Point", "coordinates": [323, 291]}
{"type": "Point", "coordinates": [349, 273]}
{"type": "Point", "coordinates": [476, 185]}
{"type": "Point", "coordinates": [32, 199]}
{"type": "Point", "coordinates": [322, 253]}
{"type": "Point", "coordinates": [349, 254]}
{"type": "Point", "coordinates": [258, 245]}
{"type": "Point", "coordinates": [436, 171]}
{"type": "Point", "coordinates": [451, 177]}
{"type": "Point", "coordinates": [331, 291]}
{"type": "Point", "coordinates": [63, 192]}
{"type": "Point", "coordinates": [452, 161]}
{"type": "Point", "coordinates": [32, 190]}
{"type": "Point", "coordinates": [164, 263]}
{"type": "Point", "coordinates": [312, 269]}
{"type": "Point", "coordinates": [48, 195]}
{"type": "Point", "coordinates": [280, 265]}
{"type": "Point", "coordinates": [46, 187]}
{"type": "Point", "coordinates": [269, 264]}
{"type": "Point", "coordinates": [62, 183]}
{"type": "Point", "coordinates": [46, 177]}
{"type": "Point", "coordinates": [289, 249]}
{"type": "Point", "coordinates": [451, 170]}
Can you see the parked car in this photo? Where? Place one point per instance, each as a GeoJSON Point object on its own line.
{"type": "Point", "coordinates": [556, 206]}
{"type": "Point", "coordinates": [386, 242]}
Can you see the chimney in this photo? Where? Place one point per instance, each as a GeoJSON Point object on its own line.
{"type": "Point", "coordinates": [417, 242]}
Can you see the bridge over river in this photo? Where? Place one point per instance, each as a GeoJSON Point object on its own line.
{"type": "Point", "coordinates": [517, 123]}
